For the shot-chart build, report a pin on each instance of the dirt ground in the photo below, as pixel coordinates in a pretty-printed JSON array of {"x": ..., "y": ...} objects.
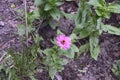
[{"x": 93, "y": 70}]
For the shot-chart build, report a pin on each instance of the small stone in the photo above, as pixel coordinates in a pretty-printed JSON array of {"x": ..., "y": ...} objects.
[
  {"x": 2, "y": 24},
  {"x": 12, "y": 5}
]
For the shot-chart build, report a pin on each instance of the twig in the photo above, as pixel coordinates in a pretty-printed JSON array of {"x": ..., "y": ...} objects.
[{"x": 26, "y": 24}]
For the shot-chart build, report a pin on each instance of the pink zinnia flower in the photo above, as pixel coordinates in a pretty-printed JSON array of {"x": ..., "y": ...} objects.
[{"x": 63, "y": 41}]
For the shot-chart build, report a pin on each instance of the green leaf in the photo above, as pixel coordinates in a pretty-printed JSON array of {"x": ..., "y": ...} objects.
[
  {"x": 84, "y": 33},
  {"x": 52, "y": 72},
  {"x": 38, "y": 2},
  {"x": 74, "y": 48},
  {"x": 84, "y": 48},
  {"x": 35, "y": 15},
  {"x": 68, "y": 15},
  {"x": 63, "y": 61},
  {"x": 115, "y": 8},
  {"x": 69, "y": 53},
  {"x": 94, "y": 3},
  {"x": 47, "y": 7},
  {"x": 58, "y": 3},
  {"x": 82, "y": 15},
  {"x": 98, "y": 26},
  {"x": 55, "y": 14},
  {"x": 73, "y": 36},
  {"x": 111, "y": 29},
  {"x": 94, "y": 47},
  {"x": 47, "y": 51},
  {"x": 32, "y": 77},
  {"x": 59, "y": 32}
]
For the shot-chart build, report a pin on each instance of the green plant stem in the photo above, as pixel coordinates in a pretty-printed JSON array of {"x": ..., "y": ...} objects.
[{"x": 26, "y": 24}]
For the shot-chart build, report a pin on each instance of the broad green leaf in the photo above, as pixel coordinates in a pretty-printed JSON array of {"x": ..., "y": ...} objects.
[
  {"x": 98, "y": 26},
  {"x": 69, "y": 53},
  {"x": 111, "y": 29},
  {"x": 74, "y": 48},
  {"x": 81, "y": 16},
  {"x": 73, "y": 36},
  {"x": 103, "y": 13},
  {"x": 115, "y": 8},
  {"x": 48, "y": 7},
  {"x": 95, "y": 3},
  {"x": 84, "y": 33},
  {"x": 94, "y": 47},
  {"x": 55, "y": 14}
]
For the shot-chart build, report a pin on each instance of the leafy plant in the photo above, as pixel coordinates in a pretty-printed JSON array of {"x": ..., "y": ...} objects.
[
  {"x": 55, "y": 58},
  {"x": 21, "y": 64},
  {"x": 104, "y": 9},
  {"x": 49, "y": 10},
  {"x": 89, "y": 23}
]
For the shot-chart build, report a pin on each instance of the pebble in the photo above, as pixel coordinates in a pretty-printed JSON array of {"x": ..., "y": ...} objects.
[{"x": 2, "y": 24}]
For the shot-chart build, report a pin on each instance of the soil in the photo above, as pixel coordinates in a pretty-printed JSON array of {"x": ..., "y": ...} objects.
[{"x": 84, "y": 68}]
